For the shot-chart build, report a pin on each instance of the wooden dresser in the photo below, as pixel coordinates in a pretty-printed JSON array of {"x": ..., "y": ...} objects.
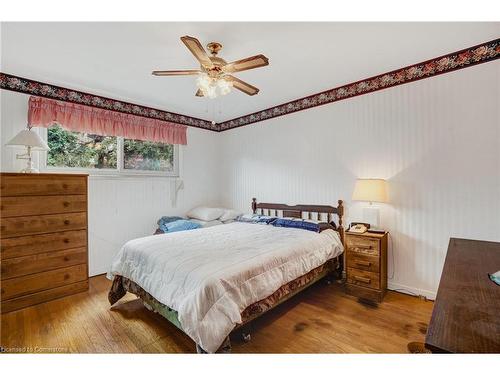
[
  {"x": 366, "y": 256},
  {"x": 43, "y": 237},
  {"x": 465, "y": 317}
]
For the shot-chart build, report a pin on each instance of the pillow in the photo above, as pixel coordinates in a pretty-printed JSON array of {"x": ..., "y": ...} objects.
[
  {"x": 256, "y": 219},
  {"x": 246, "y": 218},
  {"x": 297, "y": 223},
  {"x": 179, "y": 225},
  {"x": 165, "y": 220},
  {"x": 168, "y": 219},
  {"x": 205, "y": 213},
  {"x": 322, "y": 224},
  {"x": 206, "y": 224},
  {"x": 229, "y": 215}
]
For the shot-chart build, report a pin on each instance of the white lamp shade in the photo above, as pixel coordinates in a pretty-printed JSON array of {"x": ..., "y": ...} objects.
[
  {"x": 28, "y": 138},
  {"x": 370, "y": 190}
]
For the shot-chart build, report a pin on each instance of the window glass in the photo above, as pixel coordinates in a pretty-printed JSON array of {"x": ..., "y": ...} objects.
[
  {"x": 147, "y": 156},
  {"x": 80, "y": 150}
]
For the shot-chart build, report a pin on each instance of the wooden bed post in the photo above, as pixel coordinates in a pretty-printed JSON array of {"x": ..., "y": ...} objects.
[
  {"x": 340, "y": 213},
  {"x": 254, "y": 205}
]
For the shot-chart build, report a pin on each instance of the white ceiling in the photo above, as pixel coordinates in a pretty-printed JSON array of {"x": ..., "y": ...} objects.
[{"x": 116, "y": 59}]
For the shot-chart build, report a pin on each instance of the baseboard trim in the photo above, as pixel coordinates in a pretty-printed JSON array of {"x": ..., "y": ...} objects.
[{"x": 411, "y": 290}]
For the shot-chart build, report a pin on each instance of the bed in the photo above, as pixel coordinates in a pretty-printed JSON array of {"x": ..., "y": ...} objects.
[{"x": 211, "y": 281}]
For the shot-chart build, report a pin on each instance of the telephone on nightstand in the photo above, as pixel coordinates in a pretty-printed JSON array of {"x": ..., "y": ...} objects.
[{"x": 358, "y": 227}]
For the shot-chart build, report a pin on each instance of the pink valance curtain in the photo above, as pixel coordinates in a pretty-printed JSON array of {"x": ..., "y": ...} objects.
[{"x": 76, "y": 117}]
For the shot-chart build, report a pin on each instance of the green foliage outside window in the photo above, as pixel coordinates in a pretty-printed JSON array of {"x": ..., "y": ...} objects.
[
  {"x": 80, "y": 150},
  {"x": 147, "y": 156}
]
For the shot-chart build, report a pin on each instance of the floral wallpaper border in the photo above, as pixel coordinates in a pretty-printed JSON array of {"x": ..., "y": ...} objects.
[
  {"x": 481, "y": 53},
  {"x": 488, "y": 51},
  {"x": 28, "y": 86}
]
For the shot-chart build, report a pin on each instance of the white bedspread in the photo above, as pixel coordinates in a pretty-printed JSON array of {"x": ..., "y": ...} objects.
[{"x": 210, "y": 275}]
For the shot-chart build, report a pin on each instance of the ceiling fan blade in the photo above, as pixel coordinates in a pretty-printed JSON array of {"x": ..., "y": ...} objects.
[
  {"x": 197, "y": 50},
  {"x": 199, "y": 93},
  {"x": 242, "y": 86},
  {"x": 246, "y": 64},
  {"x": 175, "y": 72}
]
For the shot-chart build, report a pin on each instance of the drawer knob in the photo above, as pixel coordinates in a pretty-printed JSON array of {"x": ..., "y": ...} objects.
[
  {"x": 65, "y": 204},
  {"x": 66, "y": 222},
  {"x": 66, "y": 277},
  {"x": 368, "y": 247},
  {"x": 362, "y": 279},
  {"x": 66, "y": 258},
  {"x": 363, "y": 263},
  {"x": 65, "y": 186},
  {"x": 66, "y": 240}
]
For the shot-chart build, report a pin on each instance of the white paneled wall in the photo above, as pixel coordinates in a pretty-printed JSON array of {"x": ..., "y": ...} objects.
[
  {"x": 437, "y": 141},
  {"x": 123, "y": 208}
]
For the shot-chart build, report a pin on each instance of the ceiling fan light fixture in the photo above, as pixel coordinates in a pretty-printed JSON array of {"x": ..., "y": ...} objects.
[
  {"x": 211, "y": 92},
  {"x": 203, "y": 80},
  {"x": 224, "y": 86},
  {"x": 213, "y": 87}
]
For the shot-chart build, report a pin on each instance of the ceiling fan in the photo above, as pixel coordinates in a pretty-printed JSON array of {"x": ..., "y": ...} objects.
[{"x": 214, "y": 75}]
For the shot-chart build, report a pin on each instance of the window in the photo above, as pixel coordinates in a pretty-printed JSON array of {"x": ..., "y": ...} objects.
[
  {"x": 101, "y": 154},
  {"x": 147, "y": 156},
  {"x": 80, "y": 150}
]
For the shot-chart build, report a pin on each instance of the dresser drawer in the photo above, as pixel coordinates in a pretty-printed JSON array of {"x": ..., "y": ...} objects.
[
  {"x": 21, "y": 226},
  {"x": 42, "y": 243},
  {"x": 41, "y": 205},
  {"x": 43, "y": 296},
  {"x": 363, "y": 262},
  {"x": 363, "y": 278},
  {"x": 42, "y": 184},
  {"x": 363, "y": 245},
  {"x": 22, "y": 266},
  {"x": 41, "y": 281}
]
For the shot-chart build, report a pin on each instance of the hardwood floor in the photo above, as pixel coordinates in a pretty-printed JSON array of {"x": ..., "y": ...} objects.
[{"x": 322, "y": 319}]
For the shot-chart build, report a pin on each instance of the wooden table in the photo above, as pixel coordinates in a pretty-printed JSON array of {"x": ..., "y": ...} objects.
[{"x": 466, "y": 314}]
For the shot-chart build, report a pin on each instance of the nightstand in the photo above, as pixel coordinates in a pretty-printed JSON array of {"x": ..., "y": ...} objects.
[{"x": 366, "y": 265}]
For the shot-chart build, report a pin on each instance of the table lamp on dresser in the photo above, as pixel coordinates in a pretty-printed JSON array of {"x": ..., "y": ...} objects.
[
  {"x": 33, "y": 142},
  {"x": 371, "y": 190}
]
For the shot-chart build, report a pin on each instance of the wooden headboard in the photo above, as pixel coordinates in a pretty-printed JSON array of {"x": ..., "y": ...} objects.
[{"x": 306, "y": 211}]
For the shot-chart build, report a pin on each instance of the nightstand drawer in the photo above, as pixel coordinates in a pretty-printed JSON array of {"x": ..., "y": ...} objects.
[
  {"x": 363, "y": 262},
  {"x": 363, "y": 278},
  {"x": 363, "y": 245}
]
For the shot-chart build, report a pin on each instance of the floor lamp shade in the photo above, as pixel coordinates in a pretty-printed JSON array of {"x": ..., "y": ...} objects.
[{"x": 370, "y": 190}]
